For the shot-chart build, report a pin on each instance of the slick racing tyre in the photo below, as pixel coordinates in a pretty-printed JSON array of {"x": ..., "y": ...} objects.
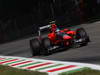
[
  {"x": 46, "y": 46},
  {"x": 82, "y": 38},
  {"x": 35, "y": 46}
]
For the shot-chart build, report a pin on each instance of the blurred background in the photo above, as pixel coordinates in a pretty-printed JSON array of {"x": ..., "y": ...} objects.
[{"x": 19, "y": 19}]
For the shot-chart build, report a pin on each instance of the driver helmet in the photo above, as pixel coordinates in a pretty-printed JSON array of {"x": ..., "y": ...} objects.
[{"x": 53, "y": 27}]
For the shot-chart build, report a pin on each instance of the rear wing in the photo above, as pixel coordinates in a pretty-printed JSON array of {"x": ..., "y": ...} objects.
[
  {"x": 44, "y": 27},
  {"x": 47, "y": 26}
]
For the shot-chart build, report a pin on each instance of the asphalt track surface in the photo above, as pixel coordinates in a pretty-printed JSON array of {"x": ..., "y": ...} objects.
[{"x": 86, "y": 54}]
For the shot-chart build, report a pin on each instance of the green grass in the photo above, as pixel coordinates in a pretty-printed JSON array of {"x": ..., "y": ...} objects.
[
  {"x": 83, "y": 71},
  {"x": 5, "y": 70}
]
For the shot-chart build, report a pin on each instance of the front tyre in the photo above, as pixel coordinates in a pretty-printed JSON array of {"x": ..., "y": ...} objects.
[
  {"x": 46, "y": 46},
  {"x": 81, "y": 37}
]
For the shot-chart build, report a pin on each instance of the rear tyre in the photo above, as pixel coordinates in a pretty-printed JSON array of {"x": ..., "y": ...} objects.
[
  {"x": 46, "y": 46},
  {"x": 35, "y": 47}
]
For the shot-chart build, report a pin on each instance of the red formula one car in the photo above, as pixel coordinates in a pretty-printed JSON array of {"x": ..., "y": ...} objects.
[{"x": 51, "y": 38}]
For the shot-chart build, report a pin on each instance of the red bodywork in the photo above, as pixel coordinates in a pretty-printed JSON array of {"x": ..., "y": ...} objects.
[{"x": 65, "y": 35}]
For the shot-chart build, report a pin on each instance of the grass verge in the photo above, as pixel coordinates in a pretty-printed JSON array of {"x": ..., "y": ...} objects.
[
  {"x": 5, "y": 70},
  {"x": 83, "y": 71}
]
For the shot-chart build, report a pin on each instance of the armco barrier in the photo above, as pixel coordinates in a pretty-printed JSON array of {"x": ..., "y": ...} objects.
[{"x": 49, "y": 66}]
